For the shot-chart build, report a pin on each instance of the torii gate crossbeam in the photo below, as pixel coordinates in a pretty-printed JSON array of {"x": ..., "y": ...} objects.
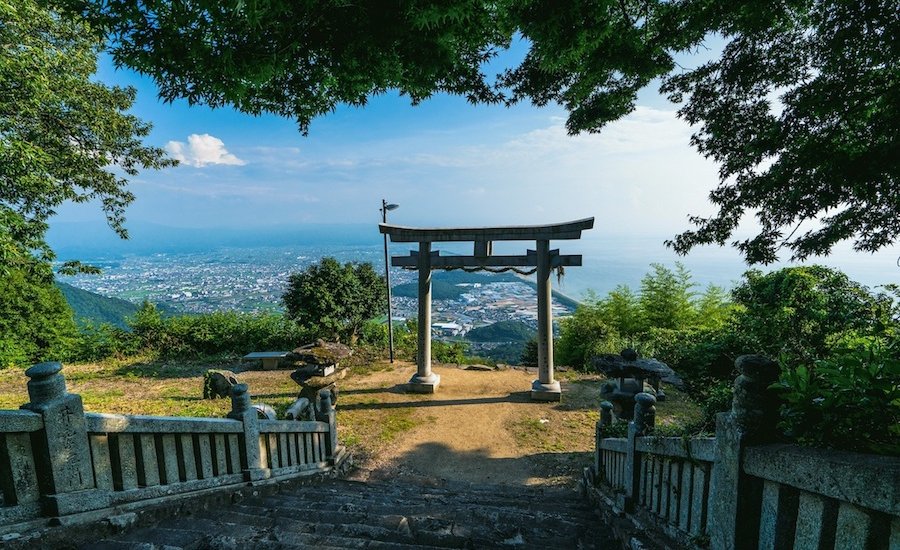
[{"x": 545, "y": 388}]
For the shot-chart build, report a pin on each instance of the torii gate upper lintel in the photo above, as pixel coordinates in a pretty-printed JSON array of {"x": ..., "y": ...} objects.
[{"x": 545, "y": 388}]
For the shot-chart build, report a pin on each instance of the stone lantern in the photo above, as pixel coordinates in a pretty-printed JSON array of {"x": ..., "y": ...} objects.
[{"x": 628, "y": 376}]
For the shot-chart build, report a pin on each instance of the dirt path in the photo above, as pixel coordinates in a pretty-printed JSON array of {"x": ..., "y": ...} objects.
[{"x": 480, "y": 427}]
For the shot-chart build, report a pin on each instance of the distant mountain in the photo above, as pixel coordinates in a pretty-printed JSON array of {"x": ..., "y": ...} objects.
[
  {"x": 502, "y": 331},
  {"x": 89, "y": 306},
  {"x": 95, "y": 240},
  {"x": 444, "y": 284}
]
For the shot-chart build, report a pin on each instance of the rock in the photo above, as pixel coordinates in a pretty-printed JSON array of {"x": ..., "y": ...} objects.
[
  {"x": 122, "y": 521},
  {"x": 218, "y": 383},
  {"x": 305, "y": 378},
  {"x": 478, "y": 367}
]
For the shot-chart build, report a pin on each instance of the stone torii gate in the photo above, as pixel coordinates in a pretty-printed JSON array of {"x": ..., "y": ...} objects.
[{"x": 545, "y": 388}]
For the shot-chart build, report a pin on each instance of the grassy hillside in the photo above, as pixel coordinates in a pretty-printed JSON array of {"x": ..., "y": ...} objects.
[
  {"x": 89, "y": 306},
  {"x": 502, "y": 331}
]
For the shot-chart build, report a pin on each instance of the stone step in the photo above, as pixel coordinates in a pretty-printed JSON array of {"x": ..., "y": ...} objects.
[
  {"x": 539, "y": 515},
  {"x": 381, "y": 516},
  {"x": 557, "y": 499},
  {"x": 455, "y": 490},
  {"x": 448, "y": 530}
]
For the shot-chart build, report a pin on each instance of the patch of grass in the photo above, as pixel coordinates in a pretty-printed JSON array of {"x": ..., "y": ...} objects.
[{"x": 395, "y": 423}]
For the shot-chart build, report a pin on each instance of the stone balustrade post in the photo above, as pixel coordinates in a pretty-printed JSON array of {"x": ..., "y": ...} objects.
[
  {"x": 252, "y": 464},
  {"x": 605, "y": 420},
  {"x": 61, "y": 449},
  {"x": 643, "y": 424},
  {"x": 752, "y": 419},
  {"x": 326, "y": 413}
]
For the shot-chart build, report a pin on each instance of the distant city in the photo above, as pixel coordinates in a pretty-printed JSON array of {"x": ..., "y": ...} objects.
[{"x": 254, "y": 279}]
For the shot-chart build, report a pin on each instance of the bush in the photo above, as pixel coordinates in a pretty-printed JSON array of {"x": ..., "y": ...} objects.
[
  {"x": 97, "y": 342},
  {"x": 214, "y": 333},
  {"x": 584, "y": 335},
  {"x": 850, "y": 401},
  {"x": 666, "y": 320}
]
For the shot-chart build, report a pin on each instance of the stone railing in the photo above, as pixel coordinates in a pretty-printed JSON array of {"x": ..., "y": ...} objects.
[
  {"x": 19, "y": 491},
  {"x": 738, "y": 490},
  {"x": 55, "y": 460}
]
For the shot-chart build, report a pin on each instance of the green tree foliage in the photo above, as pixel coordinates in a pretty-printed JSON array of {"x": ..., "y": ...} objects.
[
  {"x": 666, "y": 298},
  {"x": 530, "y": 353},
  {"x": 621, "y": 310},
  {"x": 583, "y": 335},
  {"x": 799, "y": 110},
  {"x": 63, "y": 136},
  {"x": 798, "y": 312},
  {"x": 36, "y": 324},
  {"x": 659, "y": 321},
  {"x": 333, "y": 301}
]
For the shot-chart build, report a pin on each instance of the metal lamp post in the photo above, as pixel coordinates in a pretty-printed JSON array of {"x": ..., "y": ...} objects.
[{"x": 385, "y": 207}]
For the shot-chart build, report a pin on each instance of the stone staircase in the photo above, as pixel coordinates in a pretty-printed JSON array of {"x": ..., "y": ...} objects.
[{"x": 377, "y": 515}]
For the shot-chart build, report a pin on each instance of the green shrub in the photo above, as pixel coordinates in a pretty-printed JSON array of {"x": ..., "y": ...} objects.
[
  {"x": 214, "y": 333},
  {"x": 36, "y": 323},
  {"x": 97, "y": 342},
  {"x": 850, "y": 401}
]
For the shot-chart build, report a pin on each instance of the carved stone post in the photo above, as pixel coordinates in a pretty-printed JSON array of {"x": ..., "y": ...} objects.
[
  {"x": 545, "y": 388},
  {"x": 252, "y": 463},
  {"x": 605, "y": 420},
  {"x": 424, "y": 381},
  {"x": 62, "y": 452},
  {"x": 643, "y": 424},
  {"x": 753, "y": 416},
  {"x": 326, "y": 413}
]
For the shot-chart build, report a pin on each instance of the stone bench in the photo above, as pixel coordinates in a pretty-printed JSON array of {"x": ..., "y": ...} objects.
[{"x": 269, "y": 359}]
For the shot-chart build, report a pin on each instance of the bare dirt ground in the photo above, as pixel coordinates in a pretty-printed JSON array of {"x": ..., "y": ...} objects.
[{"x": 479, "y": 427}]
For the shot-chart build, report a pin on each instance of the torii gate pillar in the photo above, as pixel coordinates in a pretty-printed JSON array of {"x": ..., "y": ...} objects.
[
  {"x": 545, "y": 388},
  {"x": 424, "y": 381}
]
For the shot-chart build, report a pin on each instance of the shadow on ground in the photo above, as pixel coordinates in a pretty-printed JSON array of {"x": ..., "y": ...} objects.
[
  {"x": 514, "y": 397},
  {"x": 438, "y": 463}
]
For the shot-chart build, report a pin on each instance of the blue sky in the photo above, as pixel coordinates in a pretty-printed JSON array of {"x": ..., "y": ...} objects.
[{"x": 445, "y": 162}]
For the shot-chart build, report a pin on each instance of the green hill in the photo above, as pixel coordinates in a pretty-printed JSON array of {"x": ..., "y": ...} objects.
[
  {"x": 502, "y": 331},
  {"x": 439, "y": 290},
  {"x": 92, "y": 307}
]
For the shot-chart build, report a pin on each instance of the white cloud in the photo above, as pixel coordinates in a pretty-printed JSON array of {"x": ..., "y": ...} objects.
[{"x": 202, "y": 150}]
